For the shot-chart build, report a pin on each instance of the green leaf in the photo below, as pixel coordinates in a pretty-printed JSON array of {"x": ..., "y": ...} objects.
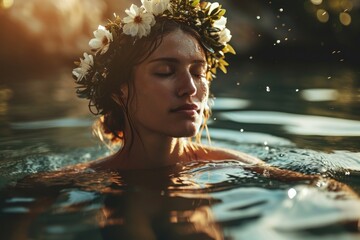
[{"x": 195, "y": 3}]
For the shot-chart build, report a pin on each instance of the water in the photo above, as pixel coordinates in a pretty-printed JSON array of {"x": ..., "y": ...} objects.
[{"x": 307, "y": 121}]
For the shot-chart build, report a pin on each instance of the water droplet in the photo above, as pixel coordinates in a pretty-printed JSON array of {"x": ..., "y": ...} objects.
[
  {"x": 281, "y": 10},
  {"x": 329, "y": 77},
  {"x": 265, "y": 143},
  {"x": 347, "y": 173},
  {"x": 278, "y": 41},
  {"x": 292, "y": 193},
  {"x": 258, "y": 17},
  {"x": 214, "y": 119},
  {"x": 268, "y": 89},
  {"x": 238, "y": 83},
  {"x": 297, "y": 90},
  {"x": 251, "y": 57},
  {"x": 241, "y": 130}
]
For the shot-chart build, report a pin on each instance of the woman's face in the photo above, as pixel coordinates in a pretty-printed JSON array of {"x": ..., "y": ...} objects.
[{"x": 171, "y": 89}]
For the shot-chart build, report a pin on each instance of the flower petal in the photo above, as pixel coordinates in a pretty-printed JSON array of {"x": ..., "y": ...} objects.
[
  {"x": 221, "y": 23},
  {"x": 213, "y": 6}
]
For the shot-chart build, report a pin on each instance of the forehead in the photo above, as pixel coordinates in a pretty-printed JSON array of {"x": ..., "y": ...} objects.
[{"x": 179, "y": 45}]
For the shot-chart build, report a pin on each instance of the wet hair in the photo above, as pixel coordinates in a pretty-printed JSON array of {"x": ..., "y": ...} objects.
[{"x": 111, "y": 125}]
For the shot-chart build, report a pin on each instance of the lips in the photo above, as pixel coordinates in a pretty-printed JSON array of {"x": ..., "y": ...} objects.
[{"x": 186, "y": 107}]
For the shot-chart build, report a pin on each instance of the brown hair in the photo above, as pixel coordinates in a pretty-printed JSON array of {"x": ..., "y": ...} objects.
[{"x": 115, "y": 110}]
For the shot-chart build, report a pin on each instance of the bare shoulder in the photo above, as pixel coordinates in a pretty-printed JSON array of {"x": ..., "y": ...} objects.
[{"x": 205, "y": 152}]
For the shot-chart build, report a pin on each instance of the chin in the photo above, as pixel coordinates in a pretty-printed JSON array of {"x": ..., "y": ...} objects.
[{"x": 187, "y": 132}]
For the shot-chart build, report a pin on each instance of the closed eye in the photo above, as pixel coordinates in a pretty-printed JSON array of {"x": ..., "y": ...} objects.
[
  {"x": 161, "y": 74},
  {"x": 199, "y": 70},
  {"x": 199, "y": 75}
]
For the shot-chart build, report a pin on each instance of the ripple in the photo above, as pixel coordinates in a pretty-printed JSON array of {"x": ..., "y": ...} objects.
[
  {"x": 247, "y": 137},
  {"x": 230, "y": 103},
  {"x": 280, "y": 216},
  {"x": 54, "y": 123},
  {"x": 320, "y": 94},
  {"x": 297, "y": 123}
]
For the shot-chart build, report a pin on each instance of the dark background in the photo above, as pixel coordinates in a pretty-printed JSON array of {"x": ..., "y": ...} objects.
[{"x": 41, "y": 35}]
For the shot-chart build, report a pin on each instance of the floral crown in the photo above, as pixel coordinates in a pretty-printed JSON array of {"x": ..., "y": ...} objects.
[{"x": 205, "y": 18}]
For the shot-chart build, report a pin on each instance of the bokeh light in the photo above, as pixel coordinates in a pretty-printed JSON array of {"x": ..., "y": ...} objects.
[
  {"x": 341, "y": 8},
  {"x": 322, "y": 15},
  {"x": 345, "y": 18},
  {"x": 316, "y": 2}
]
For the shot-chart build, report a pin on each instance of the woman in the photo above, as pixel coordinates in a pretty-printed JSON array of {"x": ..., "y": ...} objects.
[
  {"x": 149, "y": 80},
  {"x": 152, "y": 73}
]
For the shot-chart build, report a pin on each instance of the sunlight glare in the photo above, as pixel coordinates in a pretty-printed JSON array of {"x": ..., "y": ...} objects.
[
  {"x": 6, "y": 3},
  {"x": 319, "y": 94}
]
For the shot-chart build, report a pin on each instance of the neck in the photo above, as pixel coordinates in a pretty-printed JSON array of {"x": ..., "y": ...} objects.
[{"x": 149, "y": 151}]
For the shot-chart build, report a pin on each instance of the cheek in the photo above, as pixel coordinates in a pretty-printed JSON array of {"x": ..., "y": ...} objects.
[
  {"x": 203, "y": 95},
  {"x": 203, "y": 90}
]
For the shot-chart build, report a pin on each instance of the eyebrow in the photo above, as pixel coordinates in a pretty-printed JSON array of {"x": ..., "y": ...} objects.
[{"x": 174, "y": 60}]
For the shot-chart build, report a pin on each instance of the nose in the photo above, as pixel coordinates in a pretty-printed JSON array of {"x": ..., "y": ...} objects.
[{"x": 187, "y": 85}]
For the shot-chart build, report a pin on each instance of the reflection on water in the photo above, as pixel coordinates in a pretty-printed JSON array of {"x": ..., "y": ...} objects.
[
  {"x": 210, "y": 200},
  {"x": 55, "y": 123},
  {"x": 298, "y": 124},
  {"x": 305, "y": 122},
  {"x": 314, "y": 95}
]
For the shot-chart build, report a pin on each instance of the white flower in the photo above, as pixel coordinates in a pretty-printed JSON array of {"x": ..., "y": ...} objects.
[
  {"x": 155, "y": 7},
  {"x": 225, "y": 36},
  {"x": 85, "y": 65},
  {"x": 213, "y": 6},
  {"x": 221, "y": 23},
  {"x": 102, "y": 40},
  {"x": 138, "y": 22}
]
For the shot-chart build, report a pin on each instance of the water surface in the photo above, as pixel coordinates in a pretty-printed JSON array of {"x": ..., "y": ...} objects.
[{"x": 306, "y": 121}]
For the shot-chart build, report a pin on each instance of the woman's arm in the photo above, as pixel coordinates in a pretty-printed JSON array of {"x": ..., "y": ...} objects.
[{"x": 256, "y": 165}]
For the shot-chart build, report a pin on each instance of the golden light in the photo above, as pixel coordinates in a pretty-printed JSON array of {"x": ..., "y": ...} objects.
[
  {"x": 316, "y": 2},
  {"x": 6, "y": 3},
  {"x": 322, "y": 15},
  {"x": 345, "y": 18},
  {"x": 334, "y": 4}
]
